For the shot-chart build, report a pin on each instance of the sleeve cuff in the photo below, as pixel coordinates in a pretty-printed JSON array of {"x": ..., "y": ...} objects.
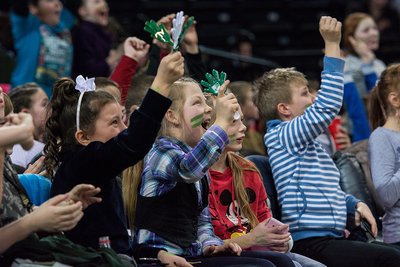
[
  {"x": 223, "y": 136},
  {"x": 367, "y": 68},
  {"x": 351, "y": 203},
  {"x": 155, "y": 105},
  {"x": 333, "y": 64}
]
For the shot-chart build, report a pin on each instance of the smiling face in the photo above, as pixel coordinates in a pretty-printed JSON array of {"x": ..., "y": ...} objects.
[
  {"x": 236, "y": 133},
  {"x": 367, "y": 31},
  {"x": 301, "y": 99},
  {"x": 108, "y": 124},
  {"x": 95, "y": 11},
  {"x": 196, "y": 114},
  {"x": 48, "y": 11}
]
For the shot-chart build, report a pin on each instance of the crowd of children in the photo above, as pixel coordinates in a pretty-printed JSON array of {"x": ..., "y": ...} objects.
[{"x": 149, "y": 166}]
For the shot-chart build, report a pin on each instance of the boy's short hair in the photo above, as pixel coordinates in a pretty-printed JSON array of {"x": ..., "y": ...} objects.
[
  {"x": 108, "y": 85},
  {"x": 274, "y": 88}
]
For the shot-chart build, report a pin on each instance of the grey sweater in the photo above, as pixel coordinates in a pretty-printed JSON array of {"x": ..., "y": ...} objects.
[{"x": 384, "y": 155}]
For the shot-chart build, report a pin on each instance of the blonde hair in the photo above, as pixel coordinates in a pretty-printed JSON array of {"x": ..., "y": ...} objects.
[
  {"x": 177, "y": 95},
  {"x": 274, "y": 88},
  {"x": 238, "y": 165},
  {"x": 131, "y": 177}
]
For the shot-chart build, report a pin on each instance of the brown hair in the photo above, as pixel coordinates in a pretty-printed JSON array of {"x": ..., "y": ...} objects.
[
  {"x": 8, "y": 106},
  {"x": 274, "y": 88},
  {"x": 61, "y": 124},
  {"x": 239, "y": 89},
  {"x": 238, "y": 165},
  {"x": 104, "y": 84},
  {"x": 21, "y": 96},
  {"x": 140, "y": 84},
  {"x": 379, "y": 105},
  {"x": 350, "y": 26}
]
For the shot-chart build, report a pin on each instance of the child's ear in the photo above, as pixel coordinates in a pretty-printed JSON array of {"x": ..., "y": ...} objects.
[
  {"x": 33, "y": 9},
  {"x": 171, "y": 117},
  {"x": 82, "y": 12},
  {"x": 82, "y": 138},
  {"x": 283, "y": 110},
  {"x": 394, "y": 99}
]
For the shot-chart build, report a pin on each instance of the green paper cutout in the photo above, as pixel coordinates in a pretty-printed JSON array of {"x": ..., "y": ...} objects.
[
  {"x": 158, "y": 32},
  {"x": 185, "y": 28},
  {"x": 213, "y": 82}
]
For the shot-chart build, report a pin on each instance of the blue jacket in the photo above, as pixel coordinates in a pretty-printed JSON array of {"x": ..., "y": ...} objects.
[{"x": 27, "y": 42}]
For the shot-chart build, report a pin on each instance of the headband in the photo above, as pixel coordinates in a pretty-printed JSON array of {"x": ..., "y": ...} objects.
[{"x": 82, "y": 85}]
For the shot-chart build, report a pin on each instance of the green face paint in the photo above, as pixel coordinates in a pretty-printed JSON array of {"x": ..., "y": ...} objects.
[
  {"x": 197, "y": 120},
  {"x": 231, "y": 138}
]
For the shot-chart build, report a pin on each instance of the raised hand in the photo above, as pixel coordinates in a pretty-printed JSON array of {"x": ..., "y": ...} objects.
[
  {"x": 331, "y": 32},
  {"x": 225, "y": 249},
  {"x": 214, "y": 82},
  {"x": 136, "y": 49},
  {"x": 171, "y": 68},
  {"x": 25, "y": 121},
  {"x": 225, "y": 107},
  {"x": 361, "y": 48},
  {"x": 190, "y": 42},
  {"x": 36, "y": 167},
  {"x": 84, "y": 193}
]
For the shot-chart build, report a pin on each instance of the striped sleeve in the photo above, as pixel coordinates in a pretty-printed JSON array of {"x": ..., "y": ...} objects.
[{"x": 296, "y": 134}]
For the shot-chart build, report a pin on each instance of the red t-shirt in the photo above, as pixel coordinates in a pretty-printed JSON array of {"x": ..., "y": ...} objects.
[{"x": 224, "y": 212}]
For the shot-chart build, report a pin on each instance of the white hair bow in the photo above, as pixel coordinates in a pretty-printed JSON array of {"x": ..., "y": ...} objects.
[{"x": 82, "y": 85}]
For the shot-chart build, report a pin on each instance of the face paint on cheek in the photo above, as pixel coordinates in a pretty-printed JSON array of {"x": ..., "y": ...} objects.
[
  {"x": 197, "y": 120},
  {"x": 231, "y": 138}
]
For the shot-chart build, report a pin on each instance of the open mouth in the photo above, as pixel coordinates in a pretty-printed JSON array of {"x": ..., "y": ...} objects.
[{"x": 205, "y": 124}]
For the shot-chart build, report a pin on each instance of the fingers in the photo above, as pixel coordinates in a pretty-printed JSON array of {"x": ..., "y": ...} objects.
[
  {"x": 54, "y": 201},
  {"x": 222, "y": 89},
  {"x": 235, "y": 248},
  {"x": 36, "y": 167}
]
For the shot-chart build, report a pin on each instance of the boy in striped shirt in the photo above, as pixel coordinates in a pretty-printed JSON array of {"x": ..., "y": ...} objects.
[{"x": 306, "y": 179}]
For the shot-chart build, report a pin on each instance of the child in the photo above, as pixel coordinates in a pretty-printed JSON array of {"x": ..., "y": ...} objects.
[
  {"x": 29, "y": 98},
  {"x": 89, "y": 142},
  {"x": 253, "y": 140},
  {"x": 60, "y": 213},
  {"x": 92, "y": 42},
  {"x": 306, "y": 178},
  {"x": 383, "y": 149},
  {"x": 42, "y": 41},
  {"x": 238, "y": 205},
  {"x": 361, "y": 38},
  {"x": 172, "y": 205}
]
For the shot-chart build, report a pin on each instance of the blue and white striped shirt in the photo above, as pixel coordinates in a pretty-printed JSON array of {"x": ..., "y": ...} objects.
[
  {"x": 306, "y": 178},
  {"x": 171, "y": 161}
]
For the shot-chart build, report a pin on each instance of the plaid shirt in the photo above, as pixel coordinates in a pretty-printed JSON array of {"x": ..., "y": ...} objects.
[{"x": 171, "y": 161}]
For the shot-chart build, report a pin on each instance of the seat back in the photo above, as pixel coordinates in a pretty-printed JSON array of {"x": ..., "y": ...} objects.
[{"x": 262, "y": 163}]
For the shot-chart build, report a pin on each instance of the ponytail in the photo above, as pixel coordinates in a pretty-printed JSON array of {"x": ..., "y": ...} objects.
[
  {"x": 379, "y": 105},
  {"x": 377, "y": 114},
  {"x": 238, "y": 165}
]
